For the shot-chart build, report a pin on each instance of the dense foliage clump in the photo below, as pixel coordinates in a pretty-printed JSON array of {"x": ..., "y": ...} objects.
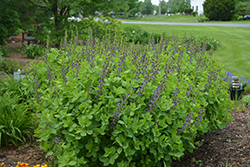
[
  {"x": 16, "y": 121},
  {"x": 222, "y": 10},
  {"x": 113, "y": 104}
]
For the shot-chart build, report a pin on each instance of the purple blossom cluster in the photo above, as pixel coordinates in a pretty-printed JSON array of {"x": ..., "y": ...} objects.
[
  {"x": 155, "y": 98},
  {"x": 228, "y": 79},
  {"x": 211, "y": 77},
  {"x": 199, "y": 118},
  {"x": 90, "y": 55},
  {"x": 105, "y": 72},
  {"x": 64, "y": 70},
  {"x": 119, "y": 109},
  {"x": 57, "y": 141},
  {"x": 76, "y": 65},
  {"x": 175, "y": 98},
  {"x": 188, "y": 123},
  {"x": 121, "y": 64}
]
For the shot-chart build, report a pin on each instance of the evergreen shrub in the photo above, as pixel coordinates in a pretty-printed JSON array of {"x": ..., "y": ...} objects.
[
  {"x": 222, "y": 10},
  {"x": 114, "y": 104}
]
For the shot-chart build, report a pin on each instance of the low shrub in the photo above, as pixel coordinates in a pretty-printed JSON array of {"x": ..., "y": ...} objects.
[
  {"x": 188, "y": 11},
  {"x": 113, "y": 104},
  {"x": 33, "y": 51},
  {"x": 246, "y": 100},
  {"x": 235, "y": 17},
  {"x": 194, "y": 13},
  {"x": 9, "y": 66},
  {"x": 4, "y": 51},
  {"x": 203, "y": 19},
  {"x": 15, "y": 88},
  {"x": 15, "y": 120},
  {"x": 209, "y": 42},
  {"x": 136, "y": 34}
]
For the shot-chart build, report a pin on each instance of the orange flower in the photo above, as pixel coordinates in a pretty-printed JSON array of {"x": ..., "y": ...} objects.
[
  {"x": 20, "y": 164},
  {"x": 2, "y": 165}
]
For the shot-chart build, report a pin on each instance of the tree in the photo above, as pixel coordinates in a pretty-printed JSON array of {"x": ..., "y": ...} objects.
[
  {"x": 183, "y": 5},
  {"x": 9, "y": 24},
  {"x": 147, "y": 7},
  {"x": 243, "y": 8},
  {"x": 134, "y": 7},
  {"x": 222, "y": 10},
  {"x": 16, "y": 14},
  {"x": 164, "y": 8},
  {"x": 178, "y": 5},
  {"x": 60, "y": 10},
  {"x": 118, "y": 6}
]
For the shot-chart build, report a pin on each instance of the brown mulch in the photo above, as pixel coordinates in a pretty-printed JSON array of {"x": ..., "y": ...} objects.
[{"x": 228, "y": 147}]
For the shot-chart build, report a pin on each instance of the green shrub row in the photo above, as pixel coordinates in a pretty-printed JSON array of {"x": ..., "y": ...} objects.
[{"x": 113, "y": 104}]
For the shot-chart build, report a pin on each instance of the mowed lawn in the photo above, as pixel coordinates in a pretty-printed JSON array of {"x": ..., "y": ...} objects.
[
  {"x": 233, "y": 52},
  {"x": 182, "y": 19}
]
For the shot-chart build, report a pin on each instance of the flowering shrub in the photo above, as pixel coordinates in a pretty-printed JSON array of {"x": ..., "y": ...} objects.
[
  {"x": 113, "y": 104},
  {"x": 101, "y": 28}
]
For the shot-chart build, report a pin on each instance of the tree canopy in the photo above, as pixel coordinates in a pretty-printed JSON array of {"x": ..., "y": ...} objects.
[
  {"x": 176, "y": 5},
  {"x": 147, "y": 7},
  {"x": 221, "y": 10},
  {"x": 243, "y": 7}
]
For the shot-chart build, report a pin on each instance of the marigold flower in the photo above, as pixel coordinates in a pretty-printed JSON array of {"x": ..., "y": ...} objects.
[{"x": 22, "y": 164}]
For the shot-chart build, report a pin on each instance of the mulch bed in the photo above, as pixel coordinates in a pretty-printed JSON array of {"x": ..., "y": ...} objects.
[{"x": 227, "y": 147}]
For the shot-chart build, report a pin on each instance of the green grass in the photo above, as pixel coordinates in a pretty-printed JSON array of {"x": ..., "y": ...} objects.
[
  {"x": 234, "y": 50},
  {"x": 180, "y": 18}
]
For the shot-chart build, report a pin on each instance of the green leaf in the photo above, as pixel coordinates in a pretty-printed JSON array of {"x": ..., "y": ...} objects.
[
  {"x": 72, "y": 163},
  {"x": 113, "y": 158},
  {"x": 119, "y": 150},
  {"x": 120, "y": 90},
  {"x": 129, "y": 151}
]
